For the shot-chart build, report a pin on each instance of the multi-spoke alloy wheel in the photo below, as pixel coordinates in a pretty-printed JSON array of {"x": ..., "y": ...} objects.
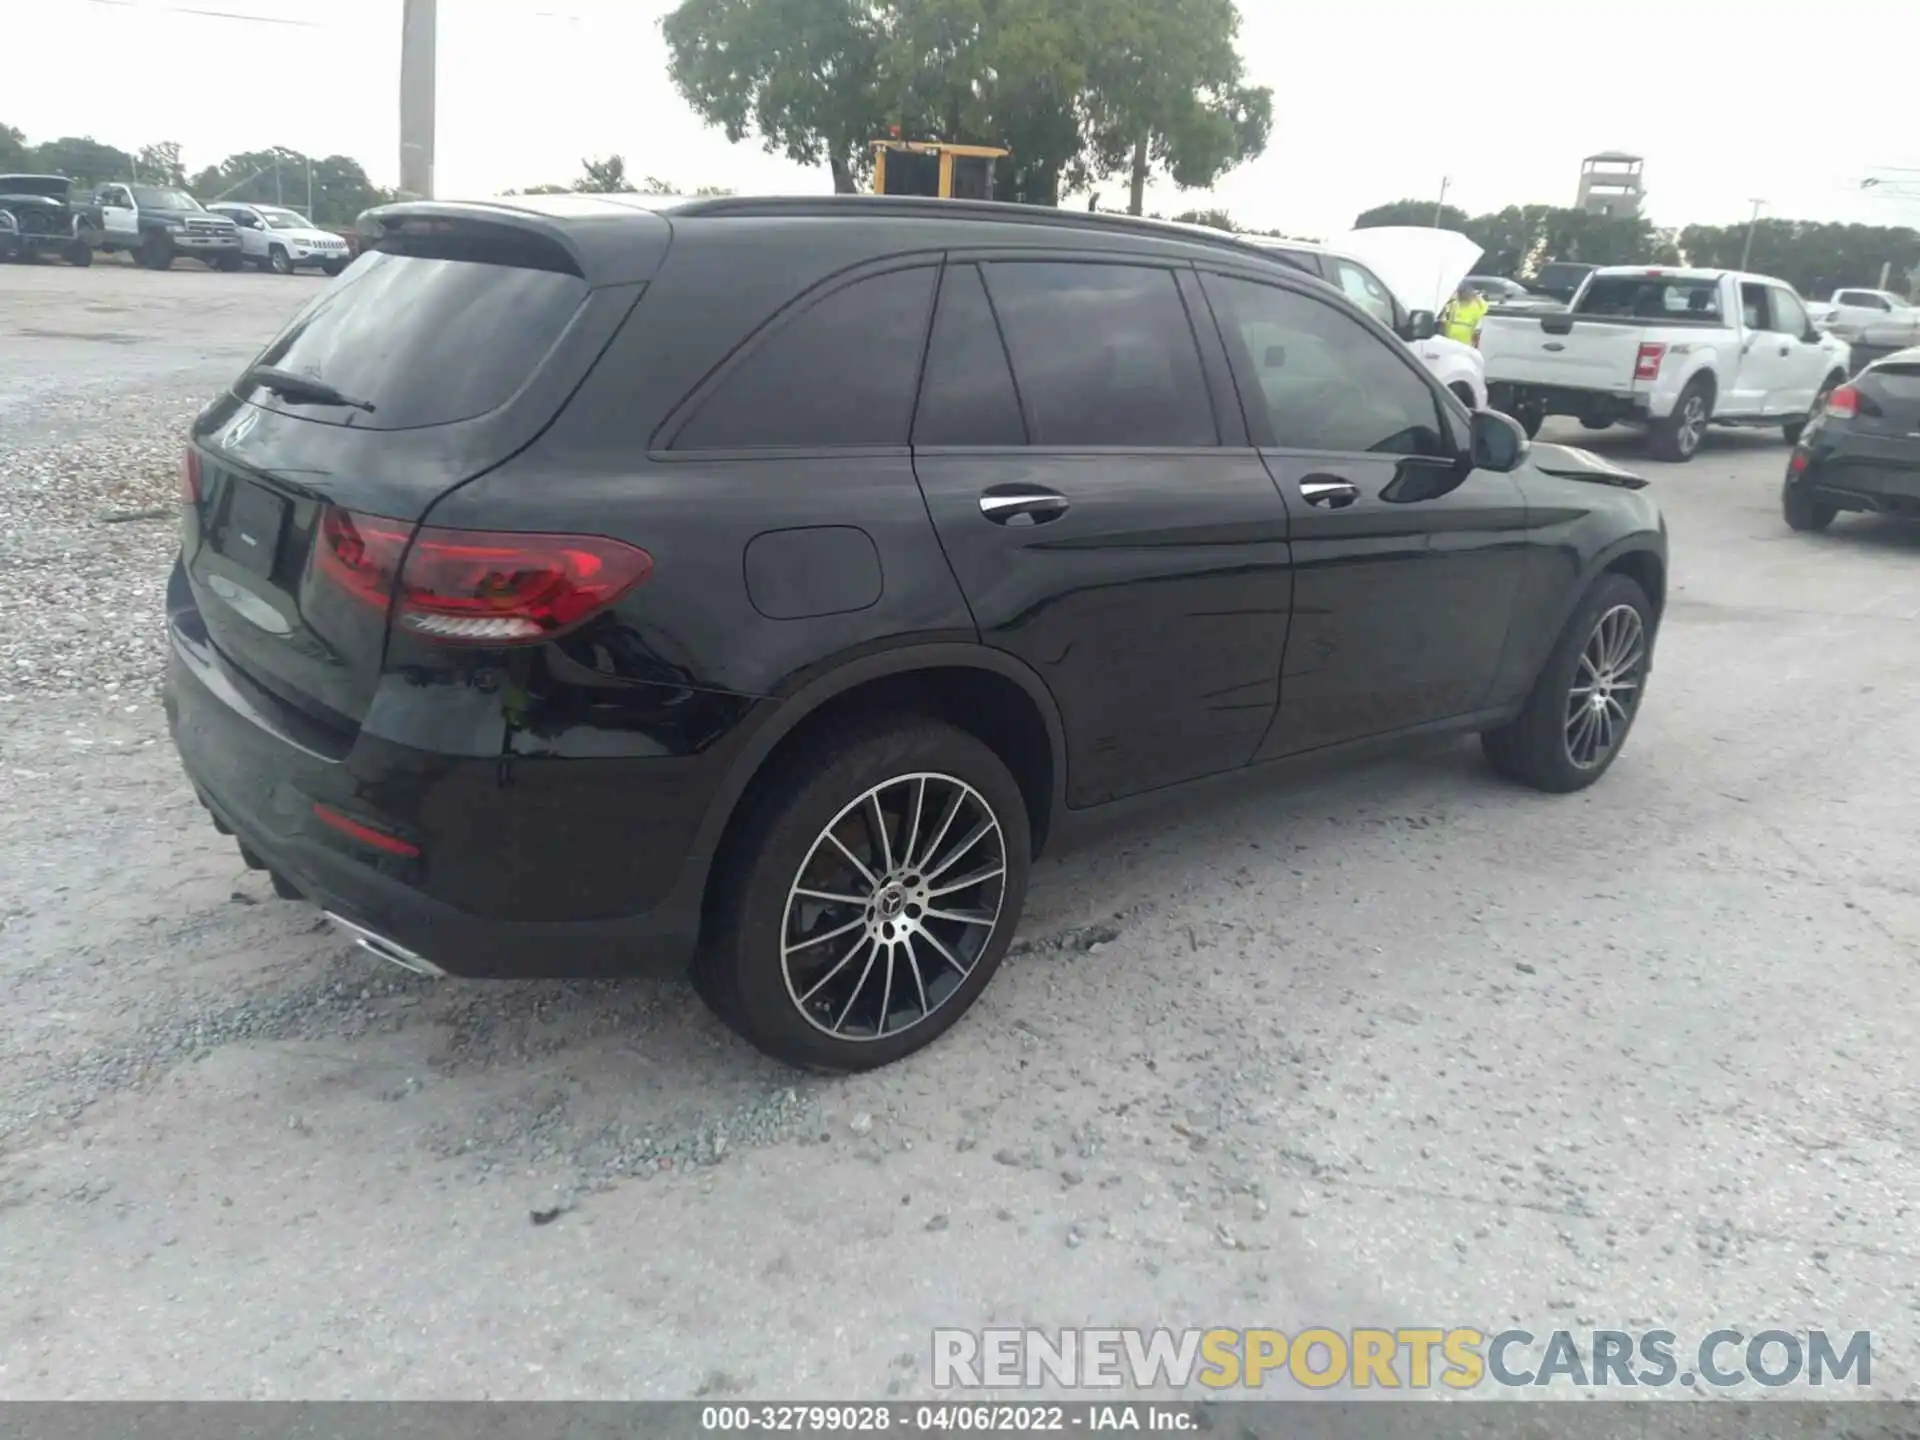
[
  {"x": 893, "y": 906},
  {"x": 1606, "y": 686},
  {"x": 870, "y": 893},
  {"x": 1584, "y": 700}
]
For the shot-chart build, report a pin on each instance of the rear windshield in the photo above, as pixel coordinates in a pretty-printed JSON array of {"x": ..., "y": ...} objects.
[
  {"x": 423, "y": 340},
  {"x": 1651, "y": 297},
  {"x": 1896, "y": 382},
  {"x": 1564, "y": 279}
]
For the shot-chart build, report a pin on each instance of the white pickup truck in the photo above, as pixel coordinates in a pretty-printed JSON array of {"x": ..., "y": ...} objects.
[{"x": 1672, "y": 349}]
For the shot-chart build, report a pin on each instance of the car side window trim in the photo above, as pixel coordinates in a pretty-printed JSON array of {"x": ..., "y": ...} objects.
[
  {"x": 667, "y": 434},
  {"x": 1259, "y": 423}
]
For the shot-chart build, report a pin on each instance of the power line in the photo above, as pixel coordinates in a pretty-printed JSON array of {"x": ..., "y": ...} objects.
[{"x": 212, "y": 14}]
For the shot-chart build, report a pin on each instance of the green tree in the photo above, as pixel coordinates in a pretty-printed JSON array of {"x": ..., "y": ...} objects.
[
  {"x": 603, "y": 177},
  {"x": 1815, "y": 258},
  {"x": 1166, "y": 88},
  {"x": 83, "y": 160},
  {"x": 15, "y": 154},
  {"x": 1216, "y": 219},
  {"x": 160, "y": 164},
  {"x": 340, "y": 187},
  {"x": 1061, "y": 83},
  {"x": 1411, "y": 212}
]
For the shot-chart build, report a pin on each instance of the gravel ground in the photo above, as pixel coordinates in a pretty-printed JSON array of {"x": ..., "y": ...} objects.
[{"x": 1395, "y": 1045}]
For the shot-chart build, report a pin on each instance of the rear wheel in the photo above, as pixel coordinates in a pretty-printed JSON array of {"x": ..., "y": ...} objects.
[
  {"x": 1803, "y": 512},
  {"x": 1587, "y": 694},
  {"x": 874, "y": 891},
  {"x": 1677, "y": 437}
]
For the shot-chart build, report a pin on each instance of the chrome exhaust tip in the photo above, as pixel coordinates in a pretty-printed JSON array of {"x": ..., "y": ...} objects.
[{"x": 386, "y": 949}]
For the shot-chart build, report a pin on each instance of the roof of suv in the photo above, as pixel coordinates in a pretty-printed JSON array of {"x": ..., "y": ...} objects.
[{"x": 620, "y": 238}]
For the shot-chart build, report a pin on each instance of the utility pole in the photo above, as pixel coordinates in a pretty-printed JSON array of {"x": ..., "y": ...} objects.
[
  {"x": 309, "y": 211},
  {"x": 417, "y": 27},
  {"x": 1746, "y": 250},
  {"x": 1441, "y": 203}
]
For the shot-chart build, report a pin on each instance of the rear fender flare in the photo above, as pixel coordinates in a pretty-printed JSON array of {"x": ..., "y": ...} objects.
[{"x": 793, "y": 709}]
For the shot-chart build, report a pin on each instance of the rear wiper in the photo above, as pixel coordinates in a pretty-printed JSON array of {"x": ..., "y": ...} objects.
[{"x": 303, "y": 389}]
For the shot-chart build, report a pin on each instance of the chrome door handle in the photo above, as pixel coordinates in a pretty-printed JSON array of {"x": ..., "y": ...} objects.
[
  {"x": 1333, "y": 494},
  {"x": 1039, "y": 505}
]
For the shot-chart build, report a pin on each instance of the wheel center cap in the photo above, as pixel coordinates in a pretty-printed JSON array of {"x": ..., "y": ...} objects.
[{"x": 892, "y": 901}]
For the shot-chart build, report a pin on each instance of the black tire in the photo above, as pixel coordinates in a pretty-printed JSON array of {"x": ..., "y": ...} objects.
[
  {"x": 1677, "y": 438},
  {"x": 1530, "y": 419},
  {"x": 155, "y": 253},
  {"x": 1464, "y": 394},
  {"x": 279, "y": 261},
  {"x": 227, "y": 264},
  {"x": 743, "y": 970},
  {"x": 1793, "y": 430},
  {"x": 1542, "y": 746},
  {"x": 334, "y": 267},
  {"x": 79, "y": 253},
  {"x": 1802, "y": 512},
  {"x": 1587, "y": 424}
]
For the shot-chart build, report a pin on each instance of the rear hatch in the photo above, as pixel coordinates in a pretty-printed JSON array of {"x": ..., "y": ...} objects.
[
  {"x": 1884, "y": 433},
  {"x": 441, "y": 352}
]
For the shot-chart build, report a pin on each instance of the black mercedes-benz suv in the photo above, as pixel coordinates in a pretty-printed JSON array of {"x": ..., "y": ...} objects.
[{"x": 758, "y": 584}]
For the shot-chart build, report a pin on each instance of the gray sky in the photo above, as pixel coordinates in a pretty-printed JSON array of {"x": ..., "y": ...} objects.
[{"x": 1374, "y": 99}]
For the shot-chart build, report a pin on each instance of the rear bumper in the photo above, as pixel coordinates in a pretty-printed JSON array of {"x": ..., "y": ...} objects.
[
  {"x": 1860, "y": 486},
  {"x": 1613, "y": 407},
  {"x": 262, "y": 784}
]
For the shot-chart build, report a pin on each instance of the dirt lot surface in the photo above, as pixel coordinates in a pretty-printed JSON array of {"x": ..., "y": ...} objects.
[{"x": 1388, "y": 1046}]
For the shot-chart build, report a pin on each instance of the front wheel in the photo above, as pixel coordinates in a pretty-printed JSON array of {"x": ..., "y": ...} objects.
[
  {"x": 334, "y": 267},
  {"x": 156, "y": 253},
  {"x": 79, "y": 253},
  {"x": 872, "y": 895},
  {"x": 1676, "y": 437},
  {"x": 1586, "y": 697},
  {"x": 227, "y": 263},
  {"x": 279, "y": 261}
]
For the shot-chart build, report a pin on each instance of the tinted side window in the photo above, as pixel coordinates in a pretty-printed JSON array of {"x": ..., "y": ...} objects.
[
  {"x": 967, "y": 397},
  {"x": 1324, "y": 381},
  {"x": 1104, "y": 354},
  {"x": 840, "y": 373}
]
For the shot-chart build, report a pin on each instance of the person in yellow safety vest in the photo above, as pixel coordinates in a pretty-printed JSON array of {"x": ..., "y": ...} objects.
[{"x": 1461, "y": 319}]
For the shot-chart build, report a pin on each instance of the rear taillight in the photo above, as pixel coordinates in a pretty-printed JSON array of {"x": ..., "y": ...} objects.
[
  {"x": 190, "y": 477},
  {"x": 1646, "y": 365},
  {"x": 1844, "y": 403},
  {"x": 477, "y": 587}
]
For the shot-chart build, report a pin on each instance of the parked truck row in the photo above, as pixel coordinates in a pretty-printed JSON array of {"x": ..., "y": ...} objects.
[{"x": 42, "y": 217}]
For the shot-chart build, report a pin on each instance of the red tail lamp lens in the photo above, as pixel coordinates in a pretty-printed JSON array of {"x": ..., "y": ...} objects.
[
  {"x": 1844, "y": 403},
  {"x": 190, "y": 477},
  {"x": 479, "y": 587}
]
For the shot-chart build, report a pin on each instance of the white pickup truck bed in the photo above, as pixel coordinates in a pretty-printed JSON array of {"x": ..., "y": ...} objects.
[{"x": 1671, "y": 349}]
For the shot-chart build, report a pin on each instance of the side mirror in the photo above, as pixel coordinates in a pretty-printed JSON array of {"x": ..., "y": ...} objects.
[
  {"x": 1421, "y": 325},
  {"x": 1497, "y": 442}
]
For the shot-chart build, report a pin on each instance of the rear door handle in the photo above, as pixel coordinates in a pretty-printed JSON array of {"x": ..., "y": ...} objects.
[
  {"x": 1037, "y": 505},
  {"x": 1328, "y": 492}
]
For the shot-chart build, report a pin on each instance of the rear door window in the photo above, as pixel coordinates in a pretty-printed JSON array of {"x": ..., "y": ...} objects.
[
  {"x": 842, "y": 373},
  {"x": 1104, "y": 355},
  {"x": 425, "y": 339}
]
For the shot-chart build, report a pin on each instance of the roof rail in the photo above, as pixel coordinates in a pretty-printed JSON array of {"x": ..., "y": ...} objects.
[{"x": 989, "y": 211}]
